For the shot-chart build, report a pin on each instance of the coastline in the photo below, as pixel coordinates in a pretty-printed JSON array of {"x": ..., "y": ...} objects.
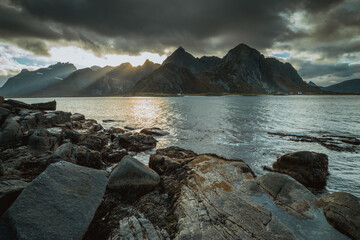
[{"x": 188, "y": 183}]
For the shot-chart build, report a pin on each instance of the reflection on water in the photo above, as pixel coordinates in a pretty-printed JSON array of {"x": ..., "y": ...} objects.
[{"x": 237, "y": 126}]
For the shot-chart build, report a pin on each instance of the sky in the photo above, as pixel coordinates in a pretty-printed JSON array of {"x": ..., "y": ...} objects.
[{"x": 321, "y": 38}]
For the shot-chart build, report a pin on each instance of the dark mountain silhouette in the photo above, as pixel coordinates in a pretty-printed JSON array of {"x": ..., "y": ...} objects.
[
  {"x": 241, "y": 70},
  {"x": 348, "y": 86},
  {"x": 28, "y": 82}
]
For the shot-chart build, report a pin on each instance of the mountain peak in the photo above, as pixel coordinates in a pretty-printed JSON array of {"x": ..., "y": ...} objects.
[{"x": 179, "y": 50}]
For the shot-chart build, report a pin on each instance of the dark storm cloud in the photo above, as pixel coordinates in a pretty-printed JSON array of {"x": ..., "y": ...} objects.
[
  {"x": 154, "y": 25},
  {"x": 308, "y": 70},
  {"x": 202, "y": 26}
]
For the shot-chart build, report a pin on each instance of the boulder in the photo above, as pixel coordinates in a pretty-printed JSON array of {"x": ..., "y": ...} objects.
[
  {"x": 3, "y": 114},
  {"x": 88, "y": 158},
  {"x": 64, "y": 152},
  {"x": 74, "y": 136},
  {"x": 96, "y": 128},
  {"x": 10, "y": 133},
  {"x": 137, "y": 142},
  {"x": 41, "y": 140},
  {"x": 53, "y": 118},
  {"x": 77, "y": 117},
  {"x": 113, "y": 154},
  {"x": 44, "y": 106},
  {"x": 131, "y": 176},
  {"x": 342, "y": 210},
  {"x": 17, "y": 104},
  {"x": 33, "y": 119},
  {"x": 9, "y": 191},
  {"x": 59, "y": 204},
  {"x": 162, "y": 164},
  {"x": 95, "y": 142},
  {"x": 2, "y": 171},
  {"x": 154, "y": 131},
  {"x": 309, "y": 168},
  {"x": 176, "y": 152}
]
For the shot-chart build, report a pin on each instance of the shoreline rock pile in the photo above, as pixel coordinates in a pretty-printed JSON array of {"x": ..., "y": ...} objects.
[{"x": 53, "y": 185}]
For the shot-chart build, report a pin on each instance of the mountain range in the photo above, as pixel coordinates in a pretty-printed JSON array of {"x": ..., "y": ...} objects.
[
  {"x": 242, "y": 70},
  {"x": 348, "y": 86}
]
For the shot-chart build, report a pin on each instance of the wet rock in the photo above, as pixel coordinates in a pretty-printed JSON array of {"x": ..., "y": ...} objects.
[
  {"x": 342, "y": 210},
  {"x": 214, "y": 203},
  {"x": 44, "y": 106},
  {"x": 88, "y": 158},
  {"x": 137, "y": 142},
  {"x": 309, "y": 168},
  {"x": 65, "y": 196},
  {"x": 95, "y": 142},
  {"x": 31, "y": 119},
  {"x": 74, "y": 136},
  {"x": 176, "y": 152},
  {"x": 96, "y": 128},
  {"x": 41, "y": 140},
  {"x": 2, "y": 171},
  {"x": 288, "y": 194},
  {"x": 88, "y": 123},
  {"x": 9, "y": 191},
  {"x": 132, "y": 176},
  {"x": 162, "y": 164},
  {"x": 3, "y": 114},
  {"x": 17, "y": 104},
  {"x": 77, "y": 117},
  {"x": 138, "y": 228},
  {"x": 154, "y": 131},
  {"x": 113, "y": 154},
  {"x": 64, "y": 152},
  {"x": 53, "y": 118},
  {"x": 10, "y": 133}
]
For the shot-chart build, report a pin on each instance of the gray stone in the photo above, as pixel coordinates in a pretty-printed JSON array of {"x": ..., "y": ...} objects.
[
  {"x": 53, "y": 118},
  {"x": 45, "y": 106},
  {"x": 342, "y": 210},
  {"x": 130, "y": 175},
  {"x": 154, "y": 131},
  {"x": 42, "y": 140},
  {"x": 309, "y": 168},
  {"x": 9, "y": 191},
  {"x": 10, "y": 133},
  {"x": 77, "y": 117},
  {"x": 3, "y": 114},
  {"x": 94, "y": 142},
  {"x": 74, "y": 136},
  {"x": 87, "y": 157},
  {"x": 2, "y": 171},
  {"x": 17, "y": 104},
  {"x": 137, "y": 142},
  {"x": 59, "y": 204}
]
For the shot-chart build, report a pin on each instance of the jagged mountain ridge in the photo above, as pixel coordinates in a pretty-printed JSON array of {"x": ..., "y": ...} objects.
[
  {"x": 97, "y": 81},
  {"x": 184, "y": 59},
  {"x": 27, "y": 82},
  {"x": 241, "y": 70}
]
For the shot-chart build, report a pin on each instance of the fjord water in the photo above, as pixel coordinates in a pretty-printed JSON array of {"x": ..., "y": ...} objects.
[{"x": 238, "y": 126}]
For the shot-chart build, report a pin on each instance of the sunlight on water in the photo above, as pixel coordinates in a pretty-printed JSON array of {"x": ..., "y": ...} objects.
[{"x": 238, "y": 126}]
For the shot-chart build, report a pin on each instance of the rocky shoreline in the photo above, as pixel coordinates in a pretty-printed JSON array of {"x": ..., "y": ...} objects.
[{"x": 63, "y": 176}]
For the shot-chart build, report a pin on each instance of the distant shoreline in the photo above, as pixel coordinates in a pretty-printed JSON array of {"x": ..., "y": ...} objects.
[{"x": 194, "y": 94}]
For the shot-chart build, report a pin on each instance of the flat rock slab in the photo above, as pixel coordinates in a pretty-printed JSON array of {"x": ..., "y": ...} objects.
[
  {"x": 59, "y": 204},
  {"x": 154, "y": 132}
]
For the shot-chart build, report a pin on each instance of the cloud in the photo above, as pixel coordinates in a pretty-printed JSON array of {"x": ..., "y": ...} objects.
[{"x": 325, "y": 28}]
